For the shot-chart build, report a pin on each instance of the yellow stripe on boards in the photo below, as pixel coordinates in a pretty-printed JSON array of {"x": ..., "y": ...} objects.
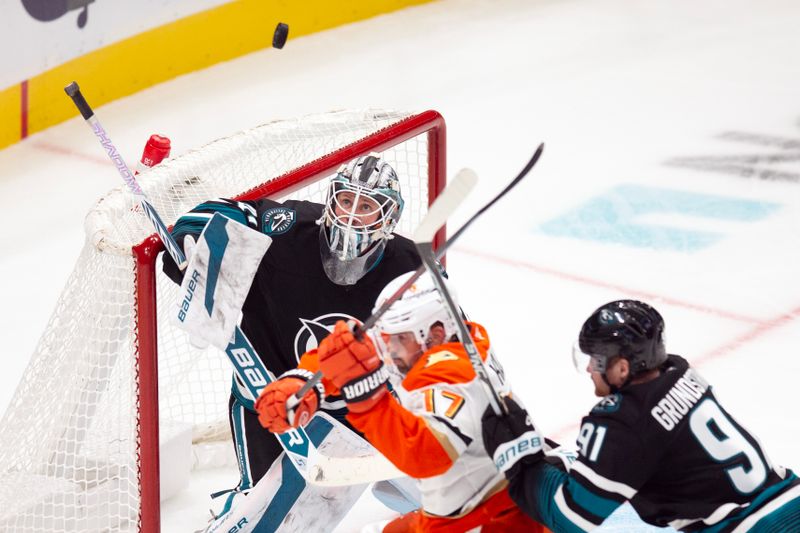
[
  {"x": 10, "y": 115},
  {"x": 180, "y": 47}
]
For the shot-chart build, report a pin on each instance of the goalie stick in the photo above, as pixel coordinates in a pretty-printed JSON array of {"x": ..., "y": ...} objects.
[
  {"x": 293, "y": 401},
  {"x": 423, "y": 240},
  {"x": 425, "y": 249},
  {"x": 240, "y": 351}
]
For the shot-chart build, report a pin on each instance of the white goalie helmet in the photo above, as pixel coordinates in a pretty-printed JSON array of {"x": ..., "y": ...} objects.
[
  {"x": 362, "y": 209},
  {"x": 417, "y": 310}
]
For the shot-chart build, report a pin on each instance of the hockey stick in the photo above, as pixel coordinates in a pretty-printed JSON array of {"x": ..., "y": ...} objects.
[
  {"x": 425, "y": 249},
  {"x": 293, "y": 401},
  {"x": 240, "y": 351},
  {"x": 423, "y": 238}
]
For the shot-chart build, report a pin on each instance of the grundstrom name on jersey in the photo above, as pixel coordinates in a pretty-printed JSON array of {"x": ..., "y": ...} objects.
[{"x": 679, "y": 400}]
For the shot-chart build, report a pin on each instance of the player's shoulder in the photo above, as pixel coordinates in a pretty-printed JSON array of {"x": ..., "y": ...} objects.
[
  {"x": 636, "y": 404},
  {"x": 620, "y": 408},
  {"x": 194, "y": 220},
  {"x": 400, "y": 256},
  {"x": 400, "y": 246},
  {"x": 232, "y": 209},
  {"x": 445, "y": 364},
  {"x": 279, "y": 218},
  {"x": 608, "y": 406}
]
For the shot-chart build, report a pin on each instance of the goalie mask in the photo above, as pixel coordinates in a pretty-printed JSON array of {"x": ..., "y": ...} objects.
[
  {"x": 362, "y": 208},
  {"x": 624, "y": 328},
  {"x": 418, "y": 320}
]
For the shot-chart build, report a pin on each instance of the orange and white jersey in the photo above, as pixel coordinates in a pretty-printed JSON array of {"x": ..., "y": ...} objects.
[{"x": 432, "y": 429}]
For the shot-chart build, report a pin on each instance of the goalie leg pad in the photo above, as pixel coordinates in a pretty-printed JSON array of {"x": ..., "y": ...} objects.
[{"x": 282, "y": 498}]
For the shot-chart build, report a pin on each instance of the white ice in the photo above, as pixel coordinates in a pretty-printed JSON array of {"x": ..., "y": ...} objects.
[{"x": 615, "y": 88}]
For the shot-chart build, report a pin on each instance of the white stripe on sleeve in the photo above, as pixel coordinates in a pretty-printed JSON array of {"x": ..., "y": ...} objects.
[
  {"x": 601, "y": 482},
  {"x": 751, "y": 520}
]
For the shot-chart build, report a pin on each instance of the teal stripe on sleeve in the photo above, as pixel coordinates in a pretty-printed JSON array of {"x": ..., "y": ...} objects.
[
  {"x": 223, "y": 208},
  {"x": 545, "y": 481},
  {"x": 597, "y": 505},
  {"x": 189, "y": 225},
  {"x": 762, "y": 499}
]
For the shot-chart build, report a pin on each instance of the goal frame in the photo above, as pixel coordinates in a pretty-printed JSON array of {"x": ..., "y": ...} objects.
[{"x": 429, "y": 123}]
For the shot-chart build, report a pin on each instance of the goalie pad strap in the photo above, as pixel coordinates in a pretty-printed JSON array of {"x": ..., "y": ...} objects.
[
  {"x": 305, "y": 375},
  {"x": 362, "y": 388}
]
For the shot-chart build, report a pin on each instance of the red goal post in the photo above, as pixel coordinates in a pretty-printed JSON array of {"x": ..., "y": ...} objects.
[{"x": 115, "y": 377}]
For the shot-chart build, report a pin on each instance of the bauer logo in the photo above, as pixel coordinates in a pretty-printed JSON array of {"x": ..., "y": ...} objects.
[
  {"x": 509, "y": 453},
  {"x": 187, "y": 298},
  {"x": 278, "y": 220},
  {"x": 239, "y": 526}
]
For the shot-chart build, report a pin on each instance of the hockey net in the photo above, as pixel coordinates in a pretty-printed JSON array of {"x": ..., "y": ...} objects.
[{"x": 111, "y": 378}]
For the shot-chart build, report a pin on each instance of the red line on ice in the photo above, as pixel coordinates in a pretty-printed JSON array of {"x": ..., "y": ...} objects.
[
  {"x": 53, "y": 148},
  {"x": 604, "y": 285}
]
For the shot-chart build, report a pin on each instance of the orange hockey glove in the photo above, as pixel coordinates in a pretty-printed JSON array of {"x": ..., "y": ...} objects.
[
  {"x": 354, "y": 366},
  {"x": 271, "y": 405}
]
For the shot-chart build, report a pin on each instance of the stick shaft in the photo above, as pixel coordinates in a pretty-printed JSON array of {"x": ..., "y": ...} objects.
[{"x": 429, "y": 261}]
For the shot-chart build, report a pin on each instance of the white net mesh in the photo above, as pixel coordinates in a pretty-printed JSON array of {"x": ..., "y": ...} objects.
[{"x": 70, "y": 454}]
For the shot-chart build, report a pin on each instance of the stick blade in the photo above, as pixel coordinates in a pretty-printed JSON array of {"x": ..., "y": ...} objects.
[
  {"x": 446, "y": 203},
  {"x": 340, "y": 471}
]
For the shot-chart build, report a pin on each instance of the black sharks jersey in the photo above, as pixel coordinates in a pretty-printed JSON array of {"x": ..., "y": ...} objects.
[
  {"x": 292, "y": 304},
  {"x": 669, "y": 448}
]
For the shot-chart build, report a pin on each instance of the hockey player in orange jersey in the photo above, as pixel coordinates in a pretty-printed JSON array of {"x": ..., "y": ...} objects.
[{"x": 429, "y": 427}]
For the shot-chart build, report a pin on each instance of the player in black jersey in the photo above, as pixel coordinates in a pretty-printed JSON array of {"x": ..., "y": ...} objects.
[
  {"x": 658, "y": 439},
  {"x": 326, "y": 263}
]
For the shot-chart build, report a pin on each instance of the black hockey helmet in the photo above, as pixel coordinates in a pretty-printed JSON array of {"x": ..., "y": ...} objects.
[{"x": 625, "y": 328}]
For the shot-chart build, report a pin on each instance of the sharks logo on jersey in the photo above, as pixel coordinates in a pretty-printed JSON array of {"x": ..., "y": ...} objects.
[
  {"x": 278, "y": 220},
  {"x": 313, "y": 331},
  {"x": 609, "y": 404}
]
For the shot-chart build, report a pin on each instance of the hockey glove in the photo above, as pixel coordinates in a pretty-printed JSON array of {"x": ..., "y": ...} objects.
[
  {"x": 354, "y": 366},
  {"x": 510, "y": 439},
  {"x": 271, "y": 405}
]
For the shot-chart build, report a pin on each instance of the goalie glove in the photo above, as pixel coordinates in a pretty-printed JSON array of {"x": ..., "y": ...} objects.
[
  {"x": 353, "y": 365},
  {"x": 220, "y": 270},
  {"x": 510, "y": 439},
  {"x": 271, "y": 405}
]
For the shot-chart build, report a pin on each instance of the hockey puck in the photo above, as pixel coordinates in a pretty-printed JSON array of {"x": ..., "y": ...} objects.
[{"x": 280, "y": 35}]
